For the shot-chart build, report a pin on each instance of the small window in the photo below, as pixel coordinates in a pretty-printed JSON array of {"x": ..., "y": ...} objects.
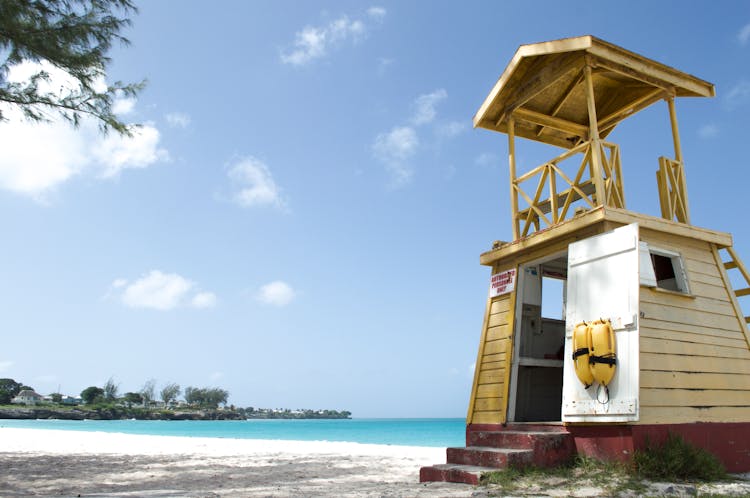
[{"x": 662, "y": 269}]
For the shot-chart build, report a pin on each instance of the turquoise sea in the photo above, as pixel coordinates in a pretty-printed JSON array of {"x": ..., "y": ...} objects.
[{"x": 436, "y": 432}]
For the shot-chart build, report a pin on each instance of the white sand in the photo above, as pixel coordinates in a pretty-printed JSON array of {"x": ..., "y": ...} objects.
[
  {"x": 49, "y": 463},
  {"x": 71, "y": 463}
]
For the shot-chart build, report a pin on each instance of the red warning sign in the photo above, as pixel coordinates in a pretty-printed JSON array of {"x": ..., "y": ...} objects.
[{"x": 502, "y": 283}]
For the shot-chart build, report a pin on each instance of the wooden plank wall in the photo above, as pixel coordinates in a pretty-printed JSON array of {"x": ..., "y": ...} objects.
[
  {"x": 695, "y": 361},
  {"x": 488, "y": 397}
]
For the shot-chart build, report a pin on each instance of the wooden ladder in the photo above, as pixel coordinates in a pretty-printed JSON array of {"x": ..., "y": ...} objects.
[{"x": 736, "y": 263}]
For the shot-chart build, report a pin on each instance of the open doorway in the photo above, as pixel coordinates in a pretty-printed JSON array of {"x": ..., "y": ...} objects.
[{"x": 537, "y": 371}]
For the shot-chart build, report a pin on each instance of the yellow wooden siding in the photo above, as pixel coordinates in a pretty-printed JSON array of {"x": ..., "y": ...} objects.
[
  {"x": 488, "y": 403},
  {"x": 694, "y": 360}
]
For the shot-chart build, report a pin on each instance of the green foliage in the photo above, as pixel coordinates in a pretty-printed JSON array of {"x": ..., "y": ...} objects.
[
  {"x": 507, "y": 479},
  {"x": 147, "y": 391},
  {"x": 677, "y": 459},
  {"x": 9, "y": 388},
  {"x": 56, "y": 397},
  {"x": 132, "y": 398},
  {"x": 111, "y": 389},
  {"x": 206, "y": 397},
  {"x": 74, "y": 36},
  {"x": 170, "y": 392},
  {"x": 92, "y": 394},
  {"x": 674, "y": 460},
  {"x": 614, "y": 478}
]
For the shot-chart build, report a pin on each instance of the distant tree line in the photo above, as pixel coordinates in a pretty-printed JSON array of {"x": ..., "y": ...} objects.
[{"x": 202, "y": 398}]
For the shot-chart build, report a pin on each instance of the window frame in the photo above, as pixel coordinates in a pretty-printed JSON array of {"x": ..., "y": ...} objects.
[{"x": 648, "y": 273}]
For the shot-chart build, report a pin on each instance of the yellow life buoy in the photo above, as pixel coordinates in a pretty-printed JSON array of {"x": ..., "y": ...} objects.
[
  {"x": 602, "y": 350},
  {"x": 581, "y": 351}
]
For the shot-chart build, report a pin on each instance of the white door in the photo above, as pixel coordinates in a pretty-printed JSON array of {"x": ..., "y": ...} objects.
[{"x": 603, "y": 283}]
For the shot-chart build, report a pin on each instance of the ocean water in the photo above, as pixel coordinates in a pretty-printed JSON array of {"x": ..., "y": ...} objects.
[{"x": 442, "y": 432}]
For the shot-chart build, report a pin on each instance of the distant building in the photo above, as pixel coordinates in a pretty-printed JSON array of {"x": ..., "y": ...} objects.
[{"x": 27, "y": 397}]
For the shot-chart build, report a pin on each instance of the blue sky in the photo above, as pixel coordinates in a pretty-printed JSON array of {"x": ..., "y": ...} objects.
[{"x": 300, "y": 218}]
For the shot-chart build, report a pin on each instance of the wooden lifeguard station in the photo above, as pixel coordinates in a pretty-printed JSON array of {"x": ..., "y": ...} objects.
[{"x": 682, "y": 343}]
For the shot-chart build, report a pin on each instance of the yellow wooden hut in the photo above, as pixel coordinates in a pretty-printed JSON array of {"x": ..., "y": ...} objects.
[{"x": 660, "y": 284}]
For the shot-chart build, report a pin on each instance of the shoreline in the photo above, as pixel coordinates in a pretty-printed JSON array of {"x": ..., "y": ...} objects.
[
  {"x": 59, "y": 441},
  {"x": 433, "y": 433}
]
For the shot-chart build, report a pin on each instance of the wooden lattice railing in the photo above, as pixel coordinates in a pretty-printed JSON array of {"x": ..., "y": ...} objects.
[
  {"x": 550, "y": 205},
  {"x": 672, "y": 190}
]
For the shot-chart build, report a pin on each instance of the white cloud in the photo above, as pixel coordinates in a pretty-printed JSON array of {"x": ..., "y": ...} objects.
[
  {"x": 119, "y": 283},
  {"x": 276, "y": 293},
  {"x": 738, "y": 95},
  {"x": 708, "y": 131},
  {"x": 398, "y": 144},
  {"x": 487, "y": 159},
  {"x": 162, "y": 291},
  {"x": 744, "y": 34},
  {"x": 451, "y": 129},
  {"x": 253, "y": 184},
  {"x": 424, "y": 106},
  {"x": 342, "y": 28},
  {"x": 123, "y": 106},
  {"x": 178, "y": 119},
  {"x": 116, "y": 152},
  {"x": 383, "y": 64},
  {"x": 28, "y": 169},
  {"x": 313, "y": 42},
  {"x": 310, "y": 44},
  {"x": 394, "y": 149},
  {"x": 204, "y": 300},
  {"x": 376, "y": 12},
  {"x": 5, "y": 365}
]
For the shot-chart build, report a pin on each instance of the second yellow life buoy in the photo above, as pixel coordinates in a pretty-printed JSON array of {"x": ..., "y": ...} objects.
[
  {"x": 581, "y": 351},
  {"x": 602, "y": 351}
]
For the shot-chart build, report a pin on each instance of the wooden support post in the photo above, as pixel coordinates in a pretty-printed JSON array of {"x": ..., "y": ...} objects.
[
  {"x": 675, "y": 130},
  {"x": 596, "y": 150},
  {"x": 681, "y": 182},
  {"x": 512, "y": 165}
]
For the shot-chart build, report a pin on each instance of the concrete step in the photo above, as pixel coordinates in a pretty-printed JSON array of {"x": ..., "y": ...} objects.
[
  {"x": 485, "y": 456},
  {"x": 515, "y": 439},
  {"x": 467, "y": 474},
  {"x": 516, "y": 445},
  {"x": 549, "y": 448}
]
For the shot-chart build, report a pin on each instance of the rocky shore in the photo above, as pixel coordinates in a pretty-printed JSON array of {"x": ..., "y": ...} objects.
[{"x": 115, "y": 413}]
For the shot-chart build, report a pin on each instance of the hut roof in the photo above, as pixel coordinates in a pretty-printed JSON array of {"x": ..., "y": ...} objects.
[{"x": 543, "y": 88}]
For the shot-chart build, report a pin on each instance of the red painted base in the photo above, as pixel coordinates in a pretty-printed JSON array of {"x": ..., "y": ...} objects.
[{"x": 730, "y": 442}]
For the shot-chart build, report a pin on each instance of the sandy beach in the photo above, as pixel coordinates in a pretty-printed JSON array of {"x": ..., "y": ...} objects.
[
  {"x": 95, "y": 464},
  {"x": 46, "y": 463}
]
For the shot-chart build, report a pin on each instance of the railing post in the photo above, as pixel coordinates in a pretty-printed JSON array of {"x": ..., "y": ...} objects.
[{"x": 553, "y": 193}]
